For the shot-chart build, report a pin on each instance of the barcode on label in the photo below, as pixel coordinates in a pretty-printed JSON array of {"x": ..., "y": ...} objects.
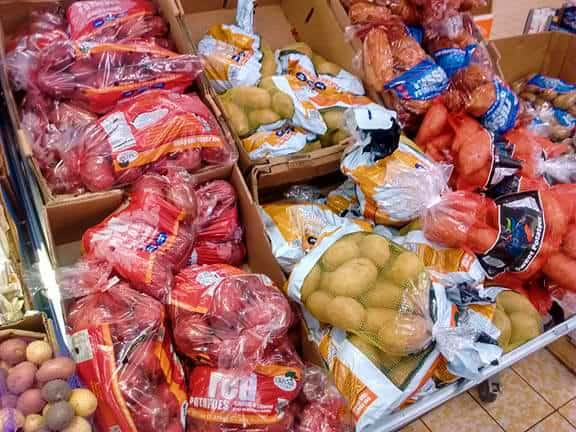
[
  {"x": 82, "y": 349},
  {"x": 119, "y": 134}
]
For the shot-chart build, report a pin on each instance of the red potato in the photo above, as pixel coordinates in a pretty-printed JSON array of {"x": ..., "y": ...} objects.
[
  {"x": 13, "y": 351},
  {"x": 434, "y": 124},
  {"x": 57, "y": 368},
  {"x": 560, "y": 268},
  {"x": 569, "y": 242}
]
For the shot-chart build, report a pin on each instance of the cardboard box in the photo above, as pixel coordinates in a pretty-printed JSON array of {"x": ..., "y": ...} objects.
[
  {"x": 281, "y": 22},
  {"x": 550, "y": 54},
  {"x": 67, "y": 216},
  {"x": 35, "y": 326}
]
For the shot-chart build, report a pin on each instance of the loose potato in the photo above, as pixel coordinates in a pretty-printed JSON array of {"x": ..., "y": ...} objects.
[
  {"x": 407, "y": 266},
  {"x": 34, "y": 423},
  {"x": 345, "y": 313},
  {"x": 334, "y": 119},
  {"x": 351, "y": 279},
  {"x": 56, "y": 391},
  {"x": 316, "y": 304},
  {"x": 408, "y": 335},
  {"x": 376, "y": 249},
  {"x": 59, "y": 416},
  {"x": 13, "y": 351},
  {"x": 38, "y": 352},
  {"x": 342, "y": 251},
  {"x": 11, "y": 419},
  {"x": 367, "y": 349},
  {"x": 83, "y": 402},
  {"x": 8, "y": 401},
  {"x": 56, "y": 368},
  {"x": 20, "y": 378},
  {"x": 253, "y": 98},
  {"x": 261, "y": 117},
  {"x": 237, "y": 117},
  {"x": 30, "y": 402},
  {"x": 80, "y": 424},
  {"x": 385, "y": 294},
  {"x": 311, "y": 283},
  {"x": 283, "y": 105},
  {"x": 502, "y": 323},
  {"x": 268, "y": 62},
  {"x": 377, "y": 318}
]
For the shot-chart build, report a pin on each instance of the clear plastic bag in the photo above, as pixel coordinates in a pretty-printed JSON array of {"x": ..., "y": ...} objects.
[
  {"x": 151, "y": 238},
  {"x": 114, "y": 20},
  {"x": 153, "y": 132},
  {"x": 98, "y": 75},
  {"x": 124, "y": 355},
  {"x": 224, "y": 317}
]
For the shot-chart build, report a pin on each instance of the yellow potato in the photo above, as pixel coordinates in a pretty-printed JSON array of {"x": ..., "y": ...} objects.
[
  {"x": 343, "y": 250},
  {"x": 237, "y": 117},
  {"x": 326, "y": 139},
  {"x": 369, "y": 350},
  {"x": 502, "y": 323},
  {"x": 407, "y": 266},
  {"x": 310, "y": 147},
  {"x": 283, "y": 105},
  {"x": 356, "y": 237},
  {"x": 250, "y": 97},
  {"x": 268, "y": 62},
  {"x": 403, "y": 370},
  {"x": 389, "y": 361},
  {"x": 512, "y": 302},
  {"x": 267, "y": 84},
  {"x": 325, "y": 67},
  {"x": 300, "y": 47},
  {"x": 525, "y": 327},
  {"x": 339, "y": 136},
  {"x": 377, "y": 318},
  {"x": 317, "y": 303},
  {"x": 376, "y": 249},
  {"x": 385, "y": 294},
  {"x": 345, "y": 313},
  {"x": 351, "y": 279},
  {"x": 258, "y": 118},
  {"x": 334, "y": 119},
  {"x": 408, "y": 335},
  {"x": 311, "y": 283}
]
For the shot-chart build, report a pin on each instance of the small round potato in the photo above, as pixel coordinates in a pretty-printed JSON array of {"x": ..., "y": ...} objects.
[
  {"x": 406, "y": 267},
  {"x": 385, "y": 294},
  {"x": 311, "y": 283},
  {"x": 342, "y": 251},
  {"x": 351, "y": 279},
  {"x": 345, "y": 313},
  {"x": 84, "y": 402},
  {"x": 38, "y": 352},
  {"x": 376, "y": 249},
  {"x": 317, "y": 303}
]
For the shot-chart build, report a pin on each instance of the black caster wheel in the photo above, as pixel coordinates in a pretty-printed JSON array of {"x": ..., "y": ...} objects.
[{"x": 490, "y": 389}]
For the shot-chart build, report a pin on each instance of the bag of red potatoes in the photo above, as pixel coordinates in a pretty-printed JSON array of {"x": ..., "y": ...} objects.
[{"x": 123, "y": 352}]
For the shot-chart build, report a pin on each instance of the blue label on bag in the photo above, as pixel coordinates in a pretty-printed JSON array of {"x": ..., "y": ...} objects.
[
  {"x": 564, "y": 118},
  {"x": 424, "y": 81},
  {"x": 501, "y": 116},
  {"x": 417, "y": 33},
  {"x": 555, "y": 84},
  {"x": 454, "y": 59}
]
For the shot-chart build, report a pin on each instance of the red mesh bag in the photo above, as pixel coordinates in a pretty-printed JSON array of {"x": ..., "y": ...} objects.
[
  {"x": 114, "y": 20},
  {"x": 155, "y": 131},
  {"x": 225, "y": 252},
  {"x": 100, "y": 74},
  {"x": 225, "y": 317},
  {"x": 258, "y": 399},
  {"x": 125, "y": 357},
  {"x": 148, "y": 240}
]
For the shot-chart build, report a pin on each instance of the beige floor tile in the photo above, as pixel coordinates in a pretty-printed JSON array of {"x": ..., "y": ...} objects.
[
  {"x": 417, "y": 426},
  {"x": 554, "y": 423},
  {"x": 569, "y": 412},
  {"x": 518, "y": 407},
  {"x": 460, "y": 414},
  {"x": 549, "y": 377}
]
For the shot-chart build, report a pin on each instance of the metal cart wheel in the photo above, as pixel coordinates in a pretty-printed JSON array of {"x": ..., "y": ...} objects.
[{"x": 490, "y": 389}]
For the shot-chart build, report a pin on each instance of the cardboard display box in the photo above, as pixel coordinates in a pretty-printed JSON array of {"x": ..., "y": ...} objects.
[
  {"x": 67, "y": 216},
  {"x": 550, "y": 54},
  {"x": 35, "y": 326},
  {"x": 280, "y": 22}
]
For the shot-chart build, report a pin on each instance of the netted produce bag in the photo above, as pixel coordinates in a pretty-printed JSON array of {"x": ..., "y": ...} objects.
[
  {"x": 99, "y": 74},
  {"x": 294, "y": 228},
  {"x": 152, "y": 132},
  {"x": 233, "y": 53},
  {"x": 394, "y": 64},
  {"x": 260, "y": 398},
  {"x": 377, "y": 155},
  {"x": 150, "y": 238},
  {"x": 224, "y": 317},
  {"x": 111, "y": 20},
  {"x": 123, "y": 353}
]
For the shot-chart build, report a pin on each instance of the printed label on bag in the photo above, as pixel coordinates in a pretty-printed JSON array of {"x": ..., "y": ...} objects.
[
  {"x": 417, "y": 32},
  {"x": 501, "y": 116},
  {"x": 503, "y": 164},
  {"x": 555, "y": 84},
  {"x": 424, "y": 81},
  {"x": 454, "y": 59},
  {"x": 522, "y": 229},
  {"x": 564, "y": 118}
]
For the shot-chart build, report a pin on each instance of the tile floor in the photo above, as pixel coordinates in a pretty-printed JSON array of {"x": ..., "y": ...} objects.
[{"x": 539, "y": 395}]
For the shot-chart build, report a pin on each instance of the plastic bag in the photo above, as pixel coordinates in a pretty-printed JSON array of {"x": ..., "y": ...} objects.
[
  {"x": 344, "y": 201},
  {"x": 154, "y": 131},
  {"x": 225, "y": 317},
  {"x": 258, "y": 399},
  {"x": 124, "y": 355},
  {"x": 395, "y": 64},
  {"x": 100, "y": 74},
  {"x": 149, "y": 239},
  {"x": 283, "y": 141},
  {"x": 232, "y": 53},
  {"x": 114, "y": 20},
  {"x": 294, "y": 228}
]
